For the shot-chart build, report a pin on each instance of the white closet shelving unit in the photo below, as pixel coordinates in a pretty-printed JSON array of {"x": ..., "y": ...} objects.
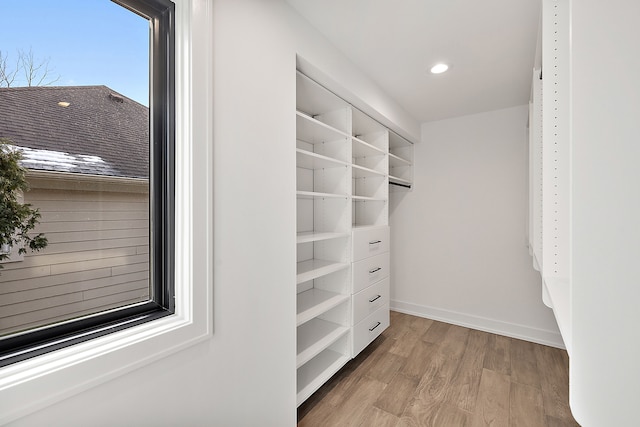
[
  {"x": 370, "y": 171},
  {"x": 370, "y": 238},
  {"x": 400, "y": 161},
  {"x": 343, "y": 161},
  {"x": 323, "y": 182},
  {"x": 549, "y": 159},
  {"x": 555, "y": 163}
]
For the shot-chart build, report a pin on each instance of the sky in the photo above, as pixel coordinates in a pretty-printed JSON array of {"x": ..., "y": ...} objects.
[{"x": 87, "y": 42}]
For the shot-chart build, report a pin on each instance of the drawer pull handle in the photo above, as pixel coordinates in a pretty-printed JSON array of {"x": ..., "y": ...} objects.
[
  {"x": 371, "y": 329},
  {"x": 375, "y": 298},
  {"x": 375, "y": 270},
  {"x": 375, "y": 242}
]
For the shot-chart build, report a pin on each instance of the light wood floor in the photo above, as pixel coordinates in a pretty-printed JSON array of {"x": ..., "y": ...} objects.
[{"x": 421, "y": 372}]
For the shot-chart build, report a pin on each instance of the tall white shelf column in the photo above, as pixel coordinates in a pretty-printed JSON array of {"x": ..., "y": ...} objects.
[
  {"x": 370, "y": 238},
  {"x": 323, "y": 183},
  {"x": 346, "y": 162},
  {"x": 588, "y": 206},
  {"x": 555, "y": 161},
  {"x": 549, "y": 231}
]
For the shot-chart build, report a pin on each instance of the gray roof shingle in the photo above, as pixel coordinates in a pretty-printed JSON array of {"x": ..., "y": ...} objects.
[{"x": 101, "y": 132}]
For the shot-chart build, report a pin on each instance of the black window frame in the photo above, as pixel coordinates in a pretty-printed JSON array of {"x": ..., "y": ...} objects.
[{"x": 21, "y": 346}]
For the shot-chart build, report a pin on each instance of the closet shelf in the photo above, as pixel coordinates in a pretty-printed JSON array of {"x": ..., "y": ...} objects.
[
  {"x": 395, "y": 161},
  {"x": 314, "y": 268},
  {"x": 362, "y": 172},
  {"x": 314, "y": 131},
  {"x": 308, "y": 160},
  {"x": 362, "y": 124},
  {"x": 315, "y": 195},
  {"x": 361, "y": 227},
  {"x": 396, "y": 141},
  {"x": 310, "y": 236},
  {"x": 364, "y": 149},
  {"x": 314, "y": 302},
  {"x": 317, "y": 371},
  {"x": 312, "y": 98},
  {"x": 368, "y": 199},
  {"x": 315, "y": 336}
]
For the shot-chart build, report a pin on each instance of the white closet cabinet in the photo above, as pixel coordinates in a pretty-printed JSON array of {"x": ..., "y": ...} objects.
[
  {"x": 370, "y": 274},
  {"x": 343, "y": 159}
]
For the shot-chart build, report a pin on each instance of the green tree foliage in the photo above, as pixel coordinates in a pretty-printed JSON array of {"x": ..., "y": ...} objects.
[{"x": 16, "y": 219}]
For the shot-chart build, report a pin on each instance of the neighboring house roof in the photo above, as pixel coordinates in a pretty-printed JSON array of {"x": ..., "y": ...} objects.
[{"x": 100, "y": 132}]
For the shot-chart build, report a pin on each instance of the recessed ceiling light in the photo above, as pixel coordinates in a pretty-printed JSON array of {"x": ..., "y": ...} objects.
[
  {"x": 64, "y": 103},
  {"x": 439, "y": 68}
]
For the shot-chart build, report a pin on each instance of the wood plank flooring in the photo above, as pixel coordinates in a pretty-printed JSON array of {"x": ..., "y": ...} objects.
[{"x": 421, "y": 372}]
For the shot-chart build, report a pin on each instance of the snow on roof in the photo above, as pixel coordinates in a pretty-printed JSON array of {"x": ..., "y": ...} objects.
[{"x": 65, "y": 162}]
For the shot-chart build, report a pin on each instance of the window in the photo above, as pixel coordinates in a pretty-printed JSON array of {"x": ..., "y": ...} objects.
[
  {"x": 97, "y": 277},
  {"x": 33, "y": 383}
]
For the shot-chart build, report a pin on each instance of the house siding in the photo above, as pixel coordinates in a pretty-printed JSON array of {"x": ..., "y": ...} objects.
[{"x": 97, "y": 257}]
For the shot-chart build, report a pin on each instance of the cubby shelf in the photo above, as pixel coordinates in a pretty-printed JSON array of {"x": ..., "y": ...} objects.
[
  {"x": 317, "y": 371},
  {"x": 362, "y": 172},
  {"x": 363, "y": 149},
  {"x": 314, "y": 336},
  {"x": 314, "y": 131},
  {"x": 368, "y": 199},
  {"x": 397, "y": 142},
  {"x": 363, "y": 227},
  {"x": 308, "y": 160},
  {"x": 314, "y": 268},
  {"x": 398, "y": 161},
  {"x": 312, "y": 99},
  {"x": 316, "y": 195},
  {"x": 314, "y": 302},
  {"x": 310, "y": 236}
]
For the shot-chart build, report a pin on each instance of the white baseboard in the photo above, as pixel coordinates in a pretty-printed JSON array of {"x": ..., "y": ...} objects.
[{"x": 540, "y": 336}]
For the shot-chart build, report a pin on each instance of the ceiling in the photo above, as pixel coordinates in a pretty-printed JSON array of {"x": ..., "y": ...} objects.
[{"x": 490, "y": 45}]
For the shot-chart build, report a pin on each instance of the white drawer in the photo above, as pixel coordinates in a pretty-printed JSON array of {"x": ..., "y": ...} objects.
[
  {"x": 370, "y": 299},
  {"x": 367, "y": 330},
  {"x": 370, "y": 241},
  {"x": 369, "y": 271}
]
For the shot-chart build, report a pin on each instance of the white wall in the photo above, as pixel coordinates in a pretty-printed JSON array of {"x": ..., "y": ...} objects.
[
  {"x": 329, "y": 67},
  {"x": 459, "y": 249},
  {"x": 245, "y": 375},
  {"x": 605, "y": 203}
]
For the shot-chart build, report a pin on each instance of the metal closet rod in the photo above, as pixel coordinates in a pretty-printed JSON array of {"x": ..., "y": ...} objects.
[{"x": 399, "y": 185}]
